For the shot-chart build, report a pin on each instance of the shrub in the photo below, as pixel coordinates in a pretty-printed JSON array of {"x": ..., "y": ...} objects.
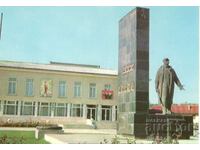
[
  {"x": 24, "y": 124},
  {"x": 115, "y": 140},
  {"x": 11, "y": 140},
  {"x": 131, "y": 140}
]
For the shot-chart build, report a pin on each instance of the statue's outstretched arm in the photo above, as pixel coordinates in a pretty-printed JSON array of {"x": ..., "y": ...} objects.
[{"x": 177, "y": 81}]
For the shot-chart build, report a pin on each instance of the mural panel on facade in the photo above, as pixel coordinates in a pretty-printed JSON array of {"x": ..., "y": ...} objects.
[{"x": 46, "y": 88}]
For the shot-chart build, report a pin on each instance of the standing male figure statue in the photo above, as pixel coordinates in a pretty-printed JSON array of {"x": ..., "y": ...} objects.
[{"x": 165, "y": 79}]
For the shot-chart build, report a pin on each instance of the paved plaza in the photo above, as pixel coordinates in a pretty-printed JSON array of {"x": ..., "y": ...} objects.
[
  {"x": 91, "y": 136},
  {"x": 88, "y": 136}
]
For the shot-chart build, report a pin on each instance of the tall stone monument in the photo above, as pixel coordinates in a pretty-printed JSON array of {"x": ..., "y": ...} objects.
[{"x": 133, "y": 67}]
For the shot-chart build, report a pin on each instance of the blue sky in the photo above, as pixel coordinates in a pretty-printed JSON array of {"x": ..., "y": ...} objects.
[{"x": 89, "y": 35}]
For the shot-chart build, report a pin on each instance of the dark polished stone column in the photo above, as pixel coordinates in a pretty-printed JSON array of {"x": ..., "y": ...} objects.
[{"x": 133, "y": 67}]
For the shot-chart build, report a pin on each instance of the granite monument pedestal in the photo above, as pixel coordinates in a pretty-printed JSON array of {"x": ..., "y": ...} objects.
[
  {"x": 172, "y": 125},
  {"x": 133, "y": 83}
]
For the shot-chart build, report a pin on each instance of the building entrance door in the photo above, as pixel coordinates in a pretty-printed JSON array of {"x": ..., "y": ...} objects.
[
  {"x": 91, "y": 112},
  {"x": 106, "y": 113}
]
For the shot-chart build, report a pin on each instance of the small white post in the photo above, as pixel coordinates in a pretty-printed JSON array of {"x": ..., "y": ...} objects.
[
  {"x": 99, "y": 113},
  {"x": 19, "y": 108},
  {"x": 84, "y": 111},
  {"x": 36, "y": 109},
  {"x": 113, "y": 113},
  {"x": 68, "y": 109}
]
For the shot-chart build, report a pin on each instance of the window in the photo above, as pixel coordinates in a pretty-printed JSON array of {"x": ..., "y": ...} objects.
[
  {"x": 62, "y": 89},
  {"x": 12, "y": 86},
  {"x": 107, "y": 87},
  {"x": 77, "y": 89},
  {"x": 29, "y": 87},
  {"x": 115, "y": 113},
  {"x": 10, "y": 108},
  {"x": 60, "y": 109},
  {"x": 76, "y": 110},
  {"x": 106, "y": 113},
  {"x": 44, "y": 109},
  {"x": 122, "y": 107},
  {"x": 27, "y": 108},
  {"x": 107, "y": 93},
  {"x": 92, "y": 90},
  {"x": 91, "y": 112}
]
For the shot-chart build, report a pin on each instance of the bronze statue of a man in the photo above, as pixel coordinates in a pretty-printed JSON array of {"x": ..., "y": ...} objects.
[{"x": 165, "y": 79}]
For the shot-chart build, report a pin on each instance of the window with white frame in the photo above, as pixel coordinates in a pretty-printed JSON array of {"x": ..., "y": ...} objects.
[
  {"x": 62, "y": 88},
  {"x": 76, "y": 110},
  {"x": 10, "y": 107},
  {"x": 92, "y": 91},
  {"x": 107, "y": 87},
  {"x": 29, "y": 87},
  {"x": 44, "y": 109},
  {"x": 12, "y": 86},
  {"x": 27, "y": 108},
  {"x": 77, "y": 89},
  {"x": 60, "y": 109},
  {"x": 106, "y": 113},
  {"x": 115, "y": 113}
]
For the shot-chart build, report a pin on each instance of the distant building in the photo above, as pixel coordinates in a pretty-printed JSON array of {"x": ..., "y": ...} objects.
[
  {"x": 57, "y": 92},
  {"x": 184, "y": 109}
]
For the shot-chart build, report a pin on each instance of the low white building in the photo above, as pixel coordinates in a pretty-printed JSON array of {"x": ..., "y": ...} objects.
[{"x": 57, "y": 92}]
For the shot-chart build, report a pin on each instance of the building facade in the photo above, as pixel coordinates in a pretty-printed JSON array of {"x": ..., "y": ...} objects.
[{"x": 57, "y": 91}]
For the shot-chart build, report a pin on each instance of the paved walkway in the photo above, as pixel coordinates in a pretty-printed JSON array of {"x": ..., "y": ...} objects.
[
  {"x": 91, "y": 131},
  {"x": 70, "y": 138},
  {"x": 88, "y": 136},
  {"x": 95, "y": 136}
]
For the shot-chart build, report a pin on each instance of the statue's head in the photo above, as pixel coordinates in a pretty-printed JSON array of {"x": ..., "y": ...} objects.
[{"x": 166, "y": 61}]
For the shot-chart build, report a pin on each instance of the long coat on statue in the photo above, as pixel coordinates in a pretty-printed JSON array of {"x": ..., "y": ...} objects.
[{"x": 165, "y": 79}]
